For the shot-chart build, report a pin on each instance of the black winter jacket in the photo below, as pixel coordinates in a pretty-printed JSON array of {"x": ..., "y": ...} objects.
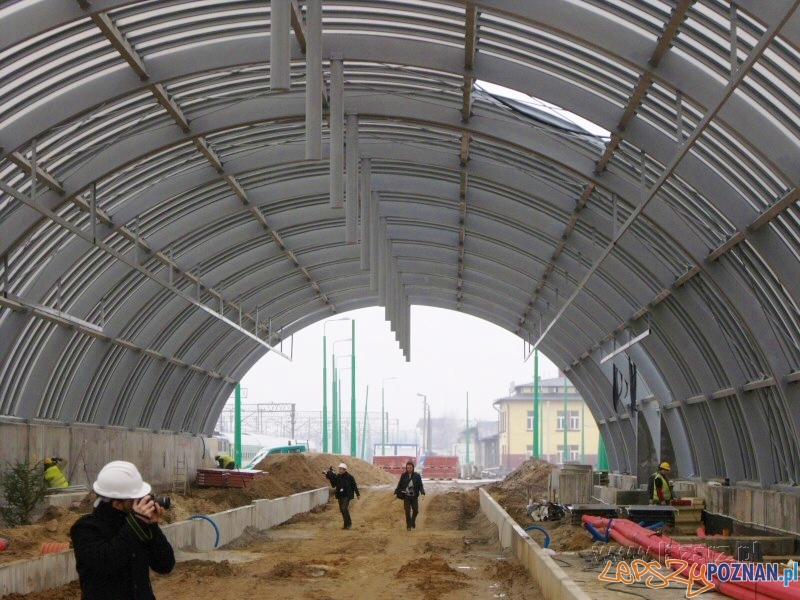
[
  {"x": 345, "y": 485},
  {"x": 402, "y": 485},
  {"x": 112, "y": 562}
]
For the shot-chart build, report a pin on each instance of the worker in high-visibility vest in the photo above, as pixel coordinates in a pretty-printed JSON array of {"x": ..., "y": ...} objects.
[
  {"x": 53, "y": 475},
  {"x": 661, "y": 492},
  {"x": 225, "y": 461}
]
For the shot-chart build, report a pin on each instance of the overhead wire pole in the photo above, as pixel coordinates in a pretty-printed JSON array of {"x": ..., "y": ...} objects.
[
  {"x": 337, "y": 418},
  {"x": 341, "y": 394},
  {"x": 535, "y": 421},
  {"x": 468, "y": 428},
  {"x": 364, "y": 427},
  {"x": 325, "y": 380},
  {"x": 353, "y": 391},
  {"x": 424, "y": 421},
  {"x": 566, "y": 421},
  {"x": 324, "y": 392},
  {"x": 383, "y": 417},
  {"x": 237, "y": 425}
]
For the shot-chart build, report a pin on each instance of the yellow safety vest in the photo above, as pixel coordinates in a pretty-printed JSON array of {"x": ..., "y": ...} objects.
[
  {"x": 664, "y": 488},
  {"x": 55, "y": 478}
]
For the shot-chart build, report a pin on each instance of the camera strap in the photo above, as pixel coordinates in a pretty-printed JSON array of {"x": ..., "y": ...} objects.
[{"x": 142, "y": 533}]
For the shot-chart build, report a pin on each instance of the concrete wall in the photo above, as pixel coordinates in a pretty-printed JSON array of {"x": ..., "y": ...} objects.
[
  {"x": 551, "y": 579},
  {"x": 87, "y": 448},
  {"x": 770, "y": 510},
  {"x": 622, "y": 482},
  {"x": 200, "y": 535}
]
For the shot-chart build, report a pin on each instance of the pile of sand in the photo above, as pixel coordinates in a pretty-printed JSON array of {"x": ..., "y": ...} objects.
[
  {"x": 530, "y": 482},
  {"x": 283, "y": 475}
]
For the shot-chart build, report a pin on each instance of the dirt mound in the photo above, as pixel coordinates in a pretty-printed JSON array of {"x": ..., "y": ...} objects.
[
  {"x": 432, "y": 576},
  {"x": 304, "y": 471},
  {"x": 284, "y": 474},
  {"x": 533, "y": 474},
  {"x": 529, "y": 481}
]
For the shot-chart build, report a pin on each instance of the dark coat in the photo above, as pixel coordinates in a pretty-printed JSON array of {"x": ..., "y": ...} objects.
[
  {"x": 113, "y": 563},
  {"x": 402, "y": 485},
  {"x": 344, "y": 484}
]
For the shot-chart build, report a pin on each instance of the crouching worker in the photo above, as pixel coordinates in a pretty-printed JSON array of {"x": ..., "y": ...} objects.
[
  {"x": 225, "y": 462},
  {"x": 120, "y": 541},
  {"x": 53, "y": 476}
]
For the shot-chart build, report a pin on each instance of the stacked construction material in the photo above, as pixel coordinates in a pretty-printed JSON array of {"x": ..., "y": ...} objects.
[
  {"x": 226, "y": 477},
  {"x": 689, "y": 516},
  {"x": 394, "y": 465},
  {"x": 646, "y": 514},
  {"x": 609, "y": 511},
  {"x": 441, "y": 467}
]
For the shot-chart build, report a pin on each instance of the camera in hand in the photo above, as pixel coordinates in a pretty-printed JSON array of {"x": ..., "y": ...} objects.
[{"x": 163, "y": 501}]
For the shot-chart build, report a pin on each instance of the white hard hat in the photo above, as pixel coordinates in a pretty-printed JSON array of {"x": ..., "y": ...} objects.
[
  {"x": 120, "y": 480},
  {"x": 343, "y": 466}
]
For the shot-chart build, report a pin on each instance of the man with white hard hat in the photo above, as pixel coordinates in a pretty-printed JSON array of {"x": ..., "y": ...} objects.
[
  {"x": 120, "y": 541},
  {"x": 346, "y": 488}
]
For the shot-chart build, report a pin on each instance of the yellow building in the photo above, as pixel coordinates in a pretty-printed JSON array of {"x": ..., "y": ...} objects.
[{"x": 515, "y": 415}]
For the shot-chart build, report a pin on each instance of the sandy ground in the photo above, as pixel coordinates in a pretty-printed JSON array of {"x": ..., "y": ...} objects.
[{"x": 453, "y": 553}]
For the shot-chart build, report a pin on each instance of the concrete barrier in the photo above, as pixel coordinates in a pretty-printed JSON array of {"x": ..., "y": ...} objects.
[
  {"x": 554, "y": 583},
  {"x": 53, "y": 570}
]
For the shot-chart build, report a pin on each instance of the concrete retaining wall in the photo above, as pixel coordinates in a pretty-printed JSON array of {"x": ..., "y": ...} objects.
[
  {"x": 53, "y": 570},
  {"x": 87, "y": 448},
  {"x": 554, "y": 583},
  {"x": 770, "y": 510}
]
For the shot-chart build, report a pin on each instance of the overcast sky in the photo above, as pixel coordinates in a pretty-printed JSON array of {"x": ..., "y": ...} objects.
[{"x": 452, "y": 354}]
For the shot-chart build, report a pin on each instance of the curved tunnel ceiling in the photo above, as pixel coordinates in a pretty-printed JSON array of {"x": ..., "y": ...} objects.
[{"x": 167, "y": 211}]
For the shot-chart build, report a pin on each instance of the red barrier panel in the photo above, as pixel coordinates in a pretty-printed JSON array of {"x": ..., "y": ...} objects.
[{"x": 394, "y": 465}]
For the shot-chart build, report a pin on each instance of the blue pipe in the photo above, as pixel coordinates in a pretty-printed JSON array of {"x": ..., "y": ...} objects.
[
  {"x": 596, "y": 535},
  {"x": 216, "y": 542},
  {"x": 544, "y": 531}
]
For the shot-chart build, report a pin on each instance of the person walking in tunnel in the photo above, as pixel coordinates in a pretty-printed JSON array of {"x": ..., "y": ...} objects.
[
  {"x": 225, "y": 462},
  {"x": 410, "y": 488},
  {"x": 118, "y": 543},
  {"x": 53, "y": 476},
  {"x": 659, "y": 487},
  {"x": 346, "y": 488}
]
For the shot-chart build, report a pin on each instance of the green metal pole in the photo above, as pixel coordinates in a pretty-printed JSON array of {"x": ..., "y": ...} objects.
[
  {"x": 353, "y": 392},
  {"x": 364, "y": 427},
  {"x": 535, "y": 424},
  {"x": 339, "y": 444},
  {"x": 467, "y": 427},
  {"x": 237, "y": 426},
  {"x": 566, "y": 420},
  {"x": 602, "y": 455},
  {"x": 324, "y": 394},
  {"x": 583, "y": 434},
  {"x": 335, "y": 412}
]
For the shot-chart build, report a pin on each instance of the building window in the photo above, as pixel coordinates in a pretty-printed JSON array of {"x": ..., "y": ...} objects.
[
  {"x": 530, "y": 420},
  {"x": 529, "y": 451},
  {"x": 574, "y": 420},
  {"x": 574, "y": 453}
]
